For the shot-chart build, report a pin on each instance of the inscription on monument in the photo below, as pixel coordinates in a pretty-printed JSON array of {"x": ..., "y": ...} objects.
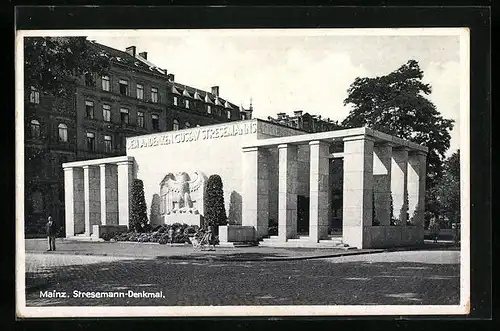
[{"x": 193, "y": 135}]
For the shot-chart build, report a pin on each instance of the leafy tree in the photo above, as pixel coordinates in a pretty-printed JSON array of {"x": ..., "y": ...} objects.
[
  {"x": 50, "y": 62},
  {"x": 215, "y": 211},
  {"x": 138, "y": 217},
  {"x": 445, "y": 195},
  {"x": 397, "y": 104}
]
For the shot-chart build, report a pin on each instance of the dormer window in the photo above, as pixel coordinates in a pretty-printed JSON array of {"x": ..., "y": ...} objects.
[
  {"x": 186, "y": 103},
  {"x": 209, "y": 109},
  {"x": 176, "y": 101},
  {"x": 228, "y": 115}
]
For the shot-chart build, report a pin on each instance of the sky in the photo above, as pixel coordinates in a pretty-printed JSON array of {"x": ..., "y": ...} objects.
[{"x": 296, "y": 69}]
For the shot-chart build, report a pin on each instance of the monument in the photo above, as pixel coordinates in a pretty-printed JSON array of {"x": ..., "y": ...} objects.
[
  {"x": 182, "y": 198},
  {"x": 268, "y": 171}
]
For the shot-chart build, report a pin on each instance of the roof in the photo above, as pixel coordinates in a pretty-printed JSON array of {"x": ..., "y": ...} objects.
[
  {"x": 191, "y": 92},
  {"x": 125, "y": 58},
  {"x": 138, "y": 61}
]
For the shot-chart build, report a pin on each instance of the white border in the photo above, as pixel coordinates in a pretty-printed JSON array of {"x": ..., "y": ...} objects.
[{"x": 50, "y": 312}]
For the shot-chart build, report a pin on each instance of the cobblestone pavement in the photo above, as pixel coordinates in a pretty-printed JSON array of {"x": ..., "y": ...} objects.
[{"x": 414, "y": 278}]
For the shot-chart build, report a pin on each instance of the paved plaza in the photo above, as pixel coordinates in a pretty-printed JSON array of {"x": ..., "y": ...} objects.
[{"x": 419, "y": 277}]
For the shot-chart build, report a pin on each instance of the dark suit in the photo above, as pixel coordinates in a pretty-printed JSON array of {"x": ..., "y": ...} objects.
[{"x": 51, "y": 235}]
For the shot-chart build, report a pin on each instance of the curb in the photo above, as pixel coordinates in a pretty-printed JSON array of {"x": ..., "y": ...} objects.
[{"x": 215, "y": 258}]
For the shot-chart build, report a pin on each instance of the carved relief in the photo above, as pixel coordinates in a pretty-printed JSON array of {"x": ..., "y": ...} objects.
[{"x": 182, "y": 193}]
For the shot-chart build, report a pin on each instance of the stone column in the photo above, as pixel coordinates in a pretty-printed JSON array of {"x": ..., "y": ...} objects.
[
  {"x": 399, "y": 174},
  {"x": 74, "y": 201},
  {"x": 382, "y": 183},
  {"x": 287, "y": 191},
  {"x": 416, "y": 187},
  {"x": 358, "y": 191},
  {"x": 255, "y": 190},
  {"x": 92, "y": 197},
  {"x": 125, "y": 182},
  {"x": 319, "y": 204},
  {"x": 109, "y": 194}
]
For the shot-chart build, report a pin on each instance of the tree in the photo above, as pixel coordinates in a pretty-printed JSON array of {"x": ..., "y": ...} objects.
[
  {"x": 215, "y": 211},
  {"x": 138, "y": 217},
  {"x": 50, "y": 62},
  {"x": 396, "y": 104},
  {"x": 445, "y": 203}
]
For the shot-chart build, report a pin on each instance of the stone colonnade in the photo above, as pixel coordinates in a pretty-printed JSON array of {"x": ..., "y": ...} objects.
[
  {"x": 384, "y": 177},
  {"x": 97, "y": 192}
]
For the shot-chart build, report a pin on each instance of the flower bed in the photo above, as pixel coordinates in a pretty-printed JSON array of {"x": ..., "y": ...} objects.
[{"x": 162, "y": 234}]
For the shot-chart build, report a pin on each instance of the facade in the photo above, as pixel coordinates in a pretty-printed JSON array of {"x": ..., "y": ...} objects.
[
  {"x": 133, "y": 98},
  {"x": 305, "y": 121},
  {"x": 268, "y": 171}
]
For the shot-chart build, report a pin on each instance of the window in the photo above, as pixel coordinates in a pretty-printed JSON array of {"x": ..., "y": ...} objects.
[
  {"x": 154, "y": 95},
  {"x": 89, "y": 80},
  {"x": 186, "y": 103},
  {"x": 108, "y": 144},
  {"x": 155, "y": 122},
  {"x": 228, "y": 115},
  {"x": 243, "y": 117},
  {"x": 140, "y": 119},
  {"x": 123, "y": 87},
  {"x": 175, "y": 126},
  {"x": 176, "y": 101},
  {"x": 35, "y": 129},
  {"x": 124, "y": 115},
  {"x": 90, "y": 141},
  {"x": 140, "y": 91},
  {"x": 105, "y": 83},
  {"x": 63, "y": 132},
  {"x": 209, "y": 109},
  {"x": 34, "y": 95},
  {"x": 106, "y": 113},
  {"x": 89, "y": 109},
  {"x": 187, "y": 125}
]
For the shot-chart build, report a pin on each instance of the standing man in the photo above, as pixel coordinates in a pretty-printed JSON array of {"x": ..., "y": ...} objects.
[{"x": 51, "y": 234}]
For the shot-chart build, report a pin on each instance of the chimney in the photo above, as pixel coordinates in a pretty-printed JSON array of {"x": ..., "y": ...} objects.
[
  {"x": 281, "y": 115},
  {"x": 170, "y": 77},
  {"x": 144, "y": 55},
  {"x": 297, "y": 113},
  {"x": 131, "y": 50},
  {"x": 215, "y": 90}
]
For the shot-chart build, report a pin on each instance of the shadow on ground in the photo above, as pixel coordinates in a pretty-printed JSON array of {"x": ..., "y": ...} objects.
[{"x": 203, "y": 283}]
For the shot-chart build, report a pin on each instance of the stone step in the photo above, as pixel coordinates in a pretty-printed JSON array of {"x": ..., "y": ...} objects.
[
  {"x": 303, "y": 244},
  {"x": 84, "y": 238},
  {"x": 237, "y": 244}
]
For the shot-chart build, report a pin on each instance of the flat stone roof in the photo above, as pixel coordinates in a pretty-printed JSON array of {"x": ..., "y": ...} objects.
[
  {"x": 337, "y": 135},
  {"x": 93, "y": 162}
]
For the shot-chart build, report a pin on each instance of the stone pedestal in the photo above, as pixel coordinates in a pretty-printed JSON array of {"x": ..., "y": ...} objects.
[
  {"x": 358, "y": 194},
  {"x": 287, "y": 192},
  {"x": 319, "y": 204},
  {"x": 399, "y": 173},
  {"x": 255, "y": 190},
  {"x": 92, "y": 189}
]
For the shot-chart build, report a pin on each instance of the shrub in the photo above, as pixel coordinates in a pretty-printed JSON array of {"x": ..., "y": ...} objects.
[
  {"x": 138, "y": 217},
  {"x": 215, "y": 211}
]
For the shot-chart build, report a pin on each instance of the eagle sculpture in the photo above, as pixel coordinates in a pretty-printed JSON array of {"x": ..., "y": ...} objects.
[{"x": 182, "y": 193}]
